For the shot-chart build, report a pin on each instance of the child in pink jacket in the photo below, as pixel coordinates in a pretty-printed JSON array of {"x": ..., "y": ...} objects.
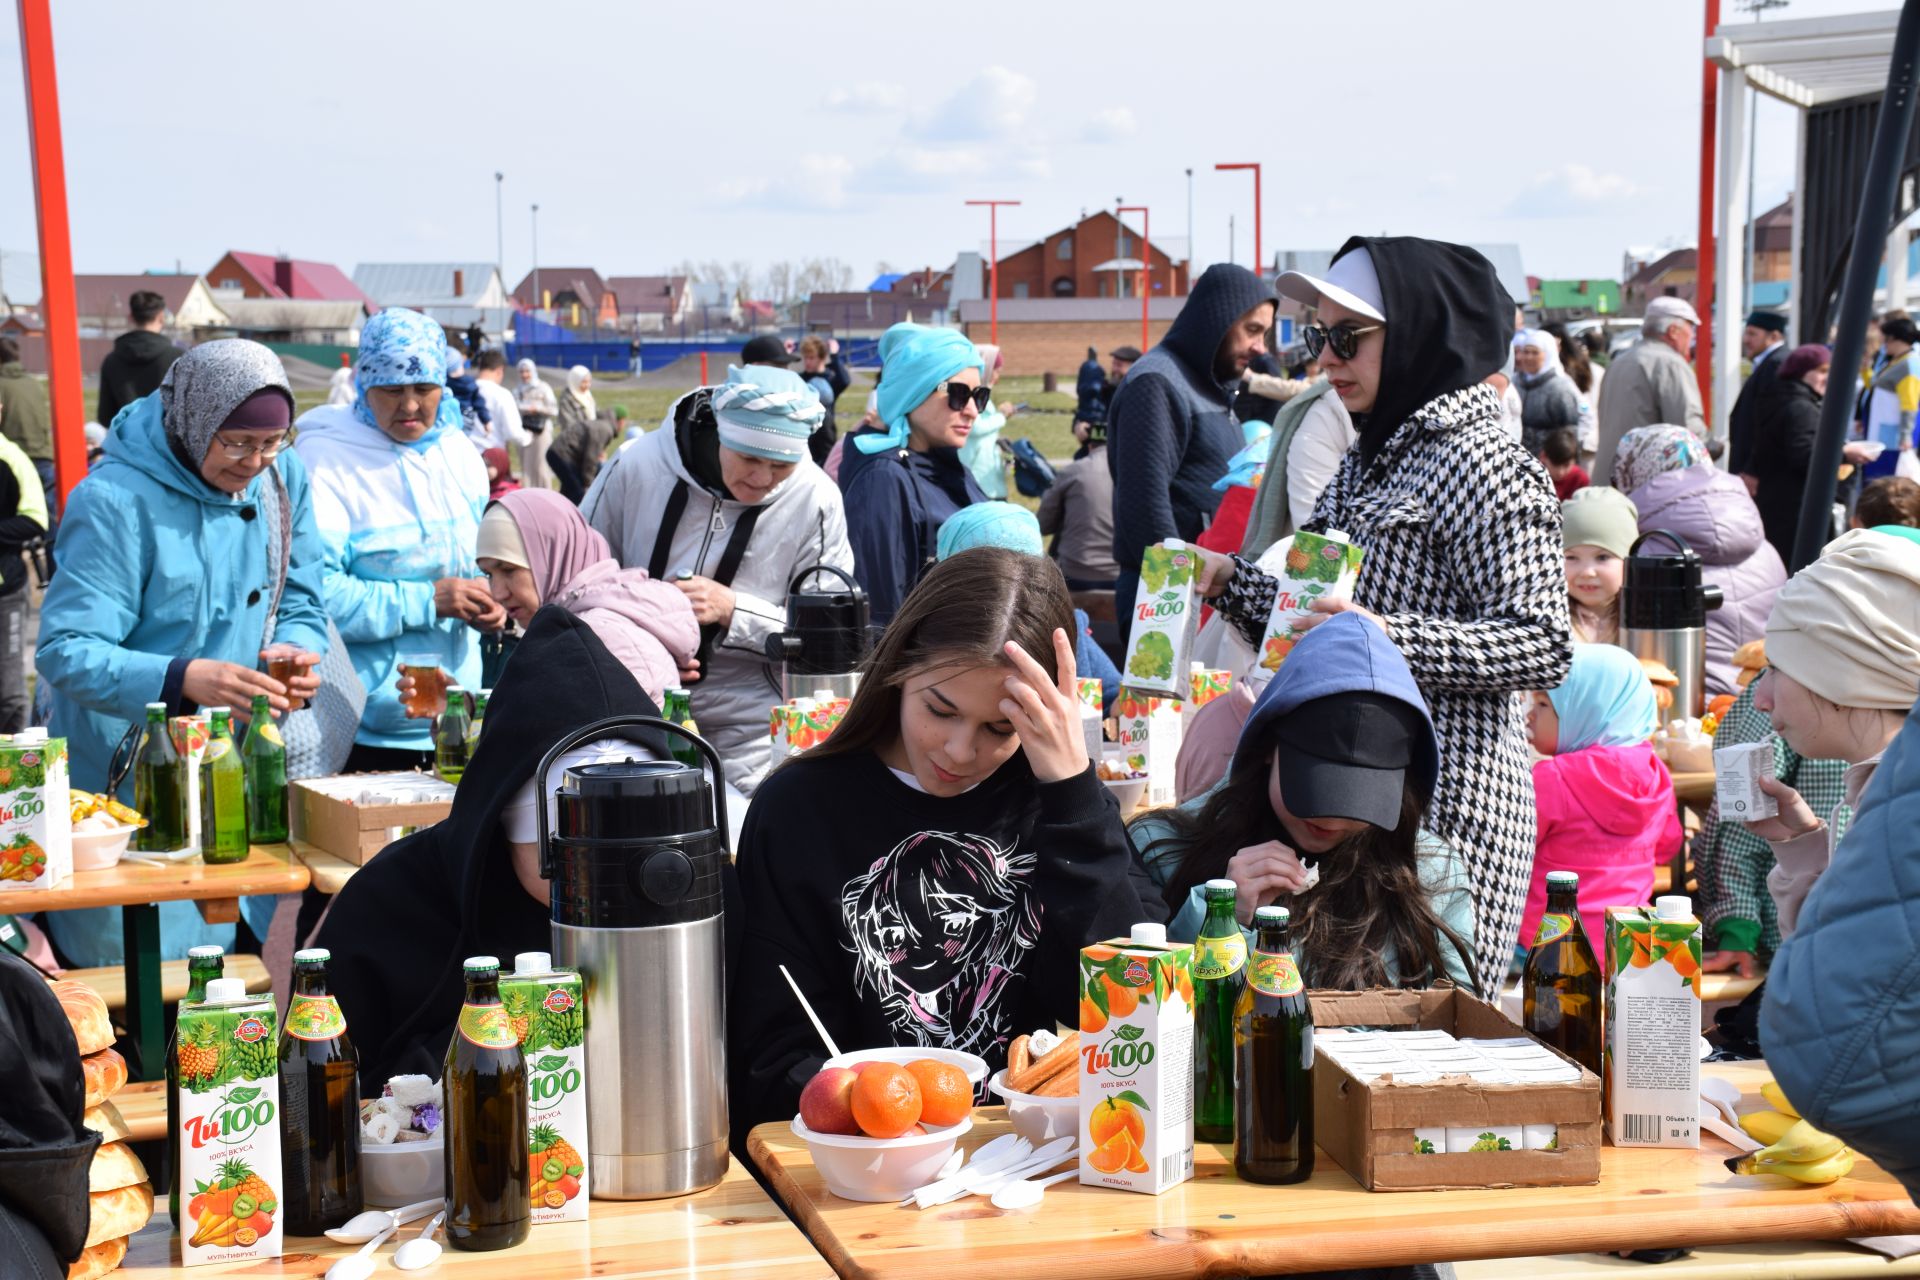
[{"x": 1604, "y": 800}]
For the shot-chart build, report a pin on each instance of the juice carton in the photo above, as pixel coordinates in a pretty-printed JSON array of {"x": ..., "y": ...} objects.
[
  {"x": 1092, "y": 721},
  {"x": 190, "y": 736},
  {"x": 547, "y": 1007},
  {"x": 1136, "y": 1065},
  {"x": 1737, "y": 771},
  {"x": 36, "y": 813},
  {"x": 228, "y": 1143},
  {"x": 1318, "y": 567},
  {"x": 1163, "y": 620},
  {"x": 1652, "y": 1079},
  {"x": 1207, "y": 684},
  {"x": 1150, "y": 730}
]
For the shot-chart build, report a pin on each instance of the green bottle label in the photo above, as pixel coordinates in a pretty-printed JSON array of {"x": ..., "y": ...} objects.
[
  {"x": 1553, "y": 927},
  {"x": 487, "y": 1025},
  {"x": 316, "y": 1018},
  {"x": 1218, "y": 957},
  {"x": 1275, "y": 975}
]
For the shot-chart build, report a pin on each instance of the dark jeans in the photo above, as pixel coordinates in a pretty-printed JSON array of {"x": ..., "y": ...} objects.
[{"x": 14, "y": 712}]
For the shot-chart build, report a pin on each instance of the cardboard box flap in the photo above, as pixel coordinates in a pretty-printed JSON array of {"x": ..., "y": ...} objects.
[{"x": 1461, "y": 1101}]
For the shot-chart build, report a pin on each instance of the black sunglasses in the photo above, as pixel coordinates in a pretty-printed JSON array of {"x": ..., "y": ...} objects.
[
  {"x": 1343, "y": 338},
  {"x": 958, "y": 393}
]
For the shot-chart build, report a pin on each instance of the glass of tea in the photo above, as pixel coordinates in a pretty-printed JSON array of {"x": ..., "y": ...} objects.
[
  {"x": 283, "y": 666},
  {"x": 429, "y": 696}
]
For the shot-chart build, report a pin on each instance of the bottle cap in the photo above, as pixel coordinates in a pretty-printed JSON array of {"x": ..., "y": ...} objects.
[
  {"x": 1271, "y": 917},
  {"x": 206, "y": 951},
  {"x": 1563, "y": 880},
  {"x": 312, "y": 955},
  {"x": 486, "y": 693},
  {"x": 454, "y": 688},
  {"x": 218, "y": 711},
  {"x": 161, "y": 707},
  {"x": 480, "y": 964},
  {"x": 533, "y": 962},
  {"x": 1149, "y": 934},
  {"x": 226, "y": 990},
  {"x": 1218, "y": 890},
  {"x": 1673, "y": 906},
  {"x": 30, "y": 737}
]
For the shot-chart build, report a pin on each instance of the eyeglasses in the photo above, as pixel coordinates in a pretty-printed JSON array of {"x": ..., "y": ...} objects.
[
  {"x": 958, "y": 393},
  {"x": 1343, "y": 338},
  {"x": 239, "y": 451}
]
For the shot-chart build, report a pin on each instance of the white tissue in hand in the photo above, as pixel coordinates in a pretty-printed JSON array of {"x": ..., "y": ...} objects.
[
  {"x": 413, "y": 1091},
  {"x": 1042, "y": 1043},
  {"x": 1313, "y": 877},
  {"x": 380, "y": 1129}
]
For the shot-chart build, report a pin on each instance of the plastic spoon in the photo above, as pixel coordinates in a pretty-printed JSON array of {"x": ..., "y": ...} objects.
[
  {"x": 1026, "y": 1194},
  {"x": 987, "y": 1160},
  {"x": 1722, "y": 1094},
  {"x": 363, "y": 1227},
  {"x": 1042, "y": 1160},
  {"x": 360, "y": 1265},
  {"x": 833, "y": 1050},
  {"x": 423, "y": 1250}
]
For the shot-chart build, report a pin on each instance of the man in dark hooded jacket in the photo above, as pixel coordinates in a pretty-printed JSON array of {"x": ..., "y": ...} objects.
[
  {"x": 140, "y": 357},
  {"x": 45, "y": 1149},
  {"x": 1171, "y": 429}
]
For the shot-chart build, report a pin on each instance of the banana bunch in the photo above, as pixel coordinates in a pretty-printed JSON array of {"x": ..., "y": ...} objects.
[
  {"x": 1795, "y": 1148},
  {"x": 85, "y": 804}
]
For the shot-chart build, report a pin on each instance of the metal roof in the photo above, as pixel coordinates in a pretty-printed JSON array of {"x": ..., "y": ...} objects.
[
  {"x": 1810, "y": 61},
  {"x": 418, "y": 284}
]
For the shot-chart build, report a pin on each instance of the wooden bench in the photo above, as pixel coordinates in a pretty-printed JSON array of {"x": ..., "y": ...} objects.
[
  {"x": 111, "y": 983},
  {"x": 1718, "y": 988},
  {"x": 144, "y": 1107}
]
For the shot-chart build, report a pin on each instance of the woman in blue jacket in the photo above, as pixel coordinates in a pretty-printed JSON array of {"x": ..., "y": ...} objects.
[{"x": 187, "y": 551}]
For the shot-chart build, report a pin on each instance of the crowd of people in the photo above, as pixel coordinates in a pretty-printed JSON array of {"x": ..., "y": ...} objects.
[{"x": 1465, "y": 722}]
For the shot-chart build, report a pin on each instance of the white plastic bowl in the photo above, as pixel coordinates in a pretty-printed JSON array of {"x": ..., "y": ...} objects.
[
  {"x": 973, "y": 1064},
  {"x": 402, "y": 1172},
  {"x": 1127, "y": 793},
  {"x": 879, "y": 1169},
  {"x": 98, "y": 850},
  {"x": 1039, "y": 1120}
]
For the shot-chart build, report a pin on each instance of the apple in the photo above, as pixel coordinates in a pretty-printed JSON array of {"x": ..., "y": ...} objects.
[{"x": 826, "y": 1104}]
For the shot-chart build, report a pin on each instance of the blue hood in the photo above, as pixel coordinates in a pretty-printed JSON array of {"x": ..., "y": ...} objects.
[
  {"x": 139, "y": 440},
  {"x": 1344, "y": 654}
]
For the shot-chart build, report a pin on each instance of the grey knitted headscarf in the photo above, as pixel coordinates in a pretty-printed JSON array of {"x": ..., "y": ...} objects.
[{"x": 208, "y": 383}]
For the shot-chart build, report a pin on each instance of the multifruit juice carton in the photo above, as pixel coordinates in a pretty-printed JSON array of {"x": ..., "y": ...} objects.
[
  {"x": 1317, "y": 567},
  {"x": 1652, "y": 1077},
  {"x": 1208, "y": 683},
  {"x": 1161, "y": 625},
  {"x": 228, "y": 1143},
  {"x": 1136, "y": 1062},
  {"x": 1150, "y": 730},
  {"x": 547, "y": 1009},
  {"x": 36, "y": 812}
]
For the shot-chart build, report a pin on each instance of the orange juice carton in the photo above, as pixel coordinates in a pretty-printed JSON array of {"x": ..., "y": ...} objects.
[
  {"x": 1136, "y": 1062},
  {"x": 1161, "y": 627},
  {"x": 190, "y": 736},
  {"x": 228, "y": 1143},
  {"x": 1207, "y": 684},
  {"x": 1150, "y": 729},
  {"x": 547, "y": 1010},
  {"x": 36, "y": 812},
  {"x": 1737, "y": 771},
  {"x": 1652, "y": 1078},
  {"x": 1317, "y": 567}
]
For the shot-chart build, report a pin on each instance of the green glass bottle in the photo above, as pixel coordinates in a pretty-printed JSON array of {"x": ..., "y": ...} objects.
[
  {"x": 160, "y": 785},
  {"x": 223, "y": 794},
  {"x": 1219, "y": 961},
  {"x": 1273, "y": 1042},
  {"x": 1561, "y": 990},
  {"x": 265, "y": 756},
  {"x": 450, "y": 737},
  {"x": 204, "y": 964},
  {"x": 479, "y": 720},
  {"x": 486, "y": 1158}
]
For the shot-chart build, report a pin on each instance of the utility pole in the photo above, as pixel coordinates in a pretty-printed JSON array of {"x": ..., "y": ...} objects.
[
  {"x": 993, "y": 265},
  {"x": 1259, "y": 258},
  {"x": 538, "y": 298},
  {"x": 499, "y": 229},
  {"x": 1190, "y": 253}
]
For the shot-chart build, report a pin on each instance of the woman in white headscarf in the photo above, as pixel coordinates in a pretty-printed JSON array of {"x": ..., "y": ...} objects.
[
  {"x": 1548, "y": 398},
  {"x": 538, "y": 409},
  {"x": 580, "y": 443}
]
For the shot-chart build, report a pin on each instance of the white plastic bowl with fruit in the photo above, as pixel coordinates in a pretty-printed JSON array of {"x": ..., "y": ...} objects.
[
  {"x": 102, "y": 829},
  {"x": 877, "y": 1129}
]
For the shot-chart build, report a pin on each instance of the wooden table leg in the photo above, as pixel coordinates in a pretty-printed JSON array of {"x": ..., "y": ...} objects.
[{"x": 146, "y": 1011}]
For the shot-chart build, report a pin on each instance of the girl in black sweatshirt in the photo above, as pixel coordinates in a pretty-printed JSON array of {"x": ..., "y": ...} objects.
[{"x": 929, "y": 874}]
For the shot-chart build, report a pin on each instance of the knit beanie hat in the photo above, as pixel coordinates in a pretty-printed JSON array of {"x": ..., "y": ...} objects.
[
  {"x": 989, "y": 524},
  {"x": 1848, "y": 625},
  {"x": 1600, "y": 517},
  {"x": 766, "y": 412}
]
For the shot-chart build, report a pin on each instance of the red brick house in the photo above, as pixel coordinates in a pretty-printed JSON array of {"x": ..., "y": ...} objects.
[{"x": 1096, "y": 257}]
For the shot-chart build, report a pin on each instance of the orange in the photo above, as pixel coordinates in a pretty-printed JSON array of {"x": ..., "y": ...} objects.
[
  {"x": 1091, "y": 1019},
  {"x": 886, "y": 1101},
  {"x": 1681, "y": 957},
  {"x": 1185, "y": 983},
  {"x": 1111, "y": 1116},
  {"x": 1121, "y": 1001},
  {"x": 945, "y": 1095},
  {"x": 1111, "y": 1156}
]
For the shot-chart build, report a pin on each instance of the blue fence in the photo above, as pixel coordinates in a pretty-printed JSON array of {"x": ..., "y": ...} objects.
[{"x": 658, "y": 355}]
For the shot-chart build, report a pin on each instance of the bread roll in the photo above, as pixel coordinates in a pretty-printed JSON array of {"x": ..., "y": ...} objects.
[
  {"x": 106, "y": 1073},
  {"x": 86, "y": 1014},
  {"x": 114, "y": 1166},
  {"x": 98, "y": 1260},
  {"x": 107, "y": 1121},
  {"x": 1751, "y": 656},
  {"x": 121, "y": 1212}
]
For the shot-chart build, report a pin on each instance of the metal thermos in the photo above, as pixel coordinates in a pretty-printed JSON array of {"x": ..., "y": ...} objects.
[
  {"x": 1663, "y": 616},
  {"x": 635, "y": 867},
  {"x": 826, "y": 638}
]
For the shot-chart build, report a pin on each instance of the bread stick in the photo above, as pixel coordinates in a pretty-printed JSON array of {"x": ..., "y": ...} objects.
[
  {"x": 1018, "y": 1057},
  {"x": 1062, "y": 1084},
  {"x": 1058, "y": 1059}
]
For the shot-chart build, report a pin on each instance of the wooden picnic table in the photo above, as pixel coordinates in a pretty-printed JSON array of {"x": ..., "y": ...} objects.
[
  {"x": 1218, "y": 1225},
  {"x": 732, "y": 1231},
  {"x": 138, "y": 889}
]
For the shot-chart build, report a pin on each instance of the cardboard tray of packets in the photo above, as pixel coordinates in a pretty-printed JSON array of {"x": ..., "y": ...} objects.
[
  {"x": 355, "y": 815},
  {"x": 1437, "y": 1090}
]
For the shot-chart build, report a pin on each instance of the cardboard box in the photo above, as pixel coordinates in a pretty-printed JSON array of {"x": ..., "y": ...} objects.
[
  {"x": 1372, "y": 1129},
  {"x": 355, "y": 815},
  {"x": 1653, "y": 1028}
]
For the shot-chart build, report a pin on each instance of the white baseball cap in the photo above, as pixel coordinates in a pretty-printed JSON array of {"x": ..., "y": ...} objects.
[
  {"x": 1351, "y": 281},
  {"x": 1678, "y": 308}
]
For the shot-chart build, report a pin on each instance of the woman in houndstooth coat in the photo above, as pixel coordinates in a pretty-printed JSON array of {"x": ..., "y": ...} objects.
[{"x": 1463, "y": 563}]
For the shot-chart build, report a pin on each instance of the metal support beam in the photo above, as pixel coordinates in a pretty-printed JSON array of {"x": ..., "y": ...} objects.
[
  {"x": 1729, "y": 297},
  {"x": 1896, "y": 264}
]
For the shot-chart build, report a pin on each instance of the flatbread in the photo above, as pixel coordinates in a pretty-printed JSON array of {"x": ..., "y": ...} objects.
[
  {"x": 107, "y": 1121},
  {"x": 113, "y": 1214},
  {"x": 98, "y": 1260},
  {"x": 106, "y": 1073},
  {"x": 86, "y": 1014},
  {"x": 114, "y": 1166}
]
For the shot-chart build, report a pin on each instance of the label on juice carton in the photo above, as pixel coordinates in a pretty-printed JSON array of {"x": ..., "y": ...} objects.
[
  {"x": 36, "y": 814},
  {"x": 1136, "y": 1065},
  {"x": 1737, "y": 771},
  {"x": 1207, "y": 684},
  {"x": 1652, "y": 1078},
  {"x": 1162, "y": 620},
  {"x": 1317, "y": 567},
  {"x": 190, "y": 736},
  {"x": 547, "y": 1011},
  {"x": 1150, "y": 729},
  {"x": 228, "y": 1144}
]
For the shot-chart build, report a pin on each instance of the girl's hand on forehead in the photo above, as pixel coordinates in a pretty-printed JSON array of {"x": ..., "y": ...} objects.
[{"x": 1046, "y": 714}]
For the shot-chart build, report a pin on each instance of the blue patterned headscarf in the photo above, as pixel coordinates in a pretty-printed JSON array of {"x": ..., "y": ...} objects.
[
  {"x": 913, "y": 361},
  {"x": 1606, "y": 701},
  {"x": 767, "y": 413},
  {"x": 398, "y": 347}
]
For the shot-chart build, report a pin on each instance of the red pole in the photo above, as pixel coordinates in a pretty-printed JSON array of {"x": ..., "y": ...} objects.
[
  {"x": 1704, "y": 274},
  {"x": 58, "y": 308},
  {"x": 993, "y": 266},
  {"x": 1146, "y": 264},
  {"x": 703, "y": 369},
  {"x": 1259, "y": 247}
]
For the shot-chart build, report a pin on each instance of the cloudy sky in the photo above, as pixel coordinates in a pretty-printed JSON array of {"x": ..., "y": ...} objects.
[{"x": 649, "y": 133}]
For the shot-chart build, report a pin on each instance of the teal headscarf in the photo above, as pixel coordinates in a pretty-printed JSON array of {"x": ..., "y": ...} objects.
[
  {"x": 913, "y": 361},
  {"x": 1607, "y": 700},
  {"x": 990, "y": 524},
  {"x": 398, "y": 347}
]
